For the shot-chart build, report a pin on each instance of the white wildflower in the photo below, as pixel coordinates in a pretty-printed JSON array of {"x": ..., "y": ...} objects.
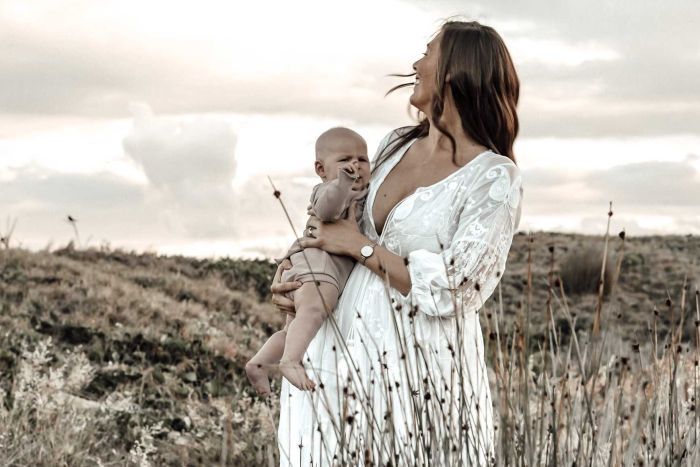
[
  {"x": 143, "y": 447},
  {"x": 120, "y": 402},
  {"x": 81, "y": 372}
]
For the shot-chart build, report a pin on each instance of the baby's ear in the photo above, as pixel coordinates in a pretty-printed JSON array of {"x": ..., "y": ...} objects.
[{"x": 320, "y": 169}]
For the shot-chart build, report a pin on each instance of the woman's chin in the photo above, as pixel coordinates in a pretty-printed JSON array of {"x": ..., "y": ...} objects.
[{"x": 416, "y": 101}]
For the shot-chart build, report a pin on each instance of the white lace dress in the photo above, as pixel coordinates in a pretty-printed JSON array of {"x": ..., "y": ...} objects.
[{"x": 402, "y": 379}]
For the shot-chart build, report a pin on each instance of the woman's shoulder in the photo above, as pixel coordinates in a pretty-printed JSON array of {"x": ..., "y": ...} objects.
[
  {"x": 495, "y": 163},
  {"x": 502, "y": 178},
  {"x": 497, "y": 175}
]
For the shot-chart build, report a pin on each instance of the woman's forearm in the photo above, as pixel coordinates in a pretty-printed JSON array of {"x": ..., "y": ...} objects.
[{"x": 383, "y": 263}]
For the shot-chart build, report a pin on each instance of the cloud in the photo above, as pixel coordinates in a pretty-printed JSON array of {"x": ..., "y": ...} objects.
[
  {"x": 190, "y": 166},
  {"x": 649, "y": 184},
  {"x": 200, "y": 213},
  {"x": 611, "y": 70},
  {"x": 263, "y": 213},
  {"x": 635, "y": 73},
  {"x": 187, "y": 192},
  {"x": 63, "y": 192},
  {"x": 106, "y": 206},
  {"x": 646, "y": 188},
  {"x": 249, "y": 220},
  {"x": 97, "y": 59}
]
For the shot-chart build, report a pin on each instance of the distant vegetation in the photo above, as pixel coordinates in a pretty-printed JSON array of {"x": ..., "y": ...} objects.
[{"x": 115, "y": 358}]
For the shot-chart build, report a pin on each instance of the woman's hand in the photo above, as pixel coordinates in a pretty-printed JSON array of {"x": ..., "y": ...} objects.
[
  {"x": 341, "y": 237},
  {"x": 278, "y": 289}
]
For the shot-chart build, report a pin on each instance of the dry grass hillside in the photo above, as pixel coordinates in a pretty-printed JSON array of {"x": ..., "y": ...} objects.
[{"x": 116, "y": 358}]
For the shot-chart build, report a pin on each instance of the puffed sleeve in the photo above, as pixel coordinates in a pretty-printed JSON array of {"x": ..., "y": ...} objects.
[{"x": 473, "y": 261}]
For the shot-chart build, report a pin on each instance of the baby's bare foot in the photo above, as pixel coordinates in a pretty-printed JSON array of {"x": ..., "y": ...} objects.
[
  {"x": 257, "y": 375},
  {"x": 296, "y": 375}
]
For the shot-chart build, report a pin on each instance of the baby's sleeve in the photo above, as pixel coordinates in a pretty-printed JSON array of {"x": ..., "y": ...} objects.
[{"x": 331, "y": 198}]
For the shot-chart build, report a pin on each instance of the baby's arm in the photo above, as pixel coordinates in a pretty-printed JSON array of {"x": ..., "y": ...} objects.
[
  {"x": 286, "y": 324},
  {"x": 333, "y": 197}
]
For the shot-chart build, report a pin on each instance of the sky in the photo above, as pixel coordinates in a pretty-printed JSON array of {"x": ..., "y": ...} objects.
[{"x": 159, "y": 125}]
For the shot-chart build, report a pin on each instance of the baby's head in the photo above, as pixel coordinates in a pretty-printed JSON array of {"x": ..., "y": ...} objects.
[{"x": 342, "y": 149}]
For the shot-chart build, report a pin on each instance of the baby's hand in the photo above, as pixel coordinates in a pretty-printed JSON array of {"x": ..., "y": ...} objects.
[{"x": 348, "y": 168}]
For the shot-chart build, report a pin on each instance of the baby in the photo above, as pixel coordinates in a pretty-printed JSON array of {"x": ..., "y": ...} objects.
[{"x": 343, "y": 165}]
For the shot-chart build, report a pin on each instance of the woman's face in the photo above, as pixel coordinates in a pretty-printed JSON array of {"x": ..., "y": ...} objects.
[{"x": 426, "y": 69}]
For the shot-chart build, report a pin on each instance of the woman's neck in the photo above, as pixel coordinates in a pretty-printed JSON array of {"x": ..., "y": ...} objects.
[{"x": 438, "y": 143}]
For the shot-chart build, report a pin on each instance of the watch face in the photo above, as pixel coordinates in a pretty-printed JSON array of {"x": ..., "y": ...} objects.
[{"x": 366, "y": 251}]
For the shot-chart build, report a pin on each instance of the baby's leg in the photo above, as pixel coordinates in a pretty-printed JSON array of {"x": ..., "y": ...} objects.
[
  {"x": 258, "y": 367},
  {"x": 310, "y": 315}
]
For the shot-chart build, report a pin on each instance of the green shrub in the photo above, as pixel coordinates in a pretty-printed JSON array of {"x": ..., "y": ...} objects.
[
  {"x": 239, "y": 274},
  {"x": 580, "y": 271}
]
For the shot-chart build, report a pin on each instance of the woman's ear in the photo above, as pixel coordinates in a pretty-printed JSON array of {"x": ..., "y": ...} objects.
[
  {"x": 320, "y": 169},
  {"x": 448, "y": 78}
]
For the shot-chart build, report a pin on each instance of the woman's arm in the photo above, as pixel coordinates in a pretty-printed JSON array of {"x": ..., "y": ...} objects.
[
  {"x": 383, "y": 262},
  {"x": 343, "y": 237}
]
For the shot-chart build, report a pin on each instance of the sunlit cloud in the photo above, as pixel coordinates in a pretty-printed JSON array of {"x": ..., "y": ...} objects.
[{"x": 190, "y": 167}]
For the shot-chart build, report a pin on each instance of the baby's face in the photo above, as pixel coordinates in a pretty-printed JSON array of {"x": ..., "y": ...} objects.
[{"x": 344, "y": 153}]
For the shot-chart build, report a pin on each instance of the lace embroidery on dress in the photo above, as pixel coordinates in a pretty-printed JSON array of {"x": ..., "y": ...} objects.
[{"x": 478, "y": 250}]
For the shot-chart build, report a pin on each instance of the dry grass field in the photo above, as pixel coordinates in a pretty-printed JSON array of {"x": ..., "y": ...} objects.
[{"x": 110, "y": 357}]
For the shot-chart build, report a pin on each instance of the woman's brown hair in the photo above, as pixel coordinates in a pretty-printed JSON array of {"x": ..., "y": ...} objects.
[{"x": 484, "y": 85}]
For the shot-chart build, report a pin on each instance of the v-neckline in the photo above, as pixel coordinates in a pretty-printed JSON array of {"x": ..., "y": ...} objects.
[{"x": 397, "y": 158}]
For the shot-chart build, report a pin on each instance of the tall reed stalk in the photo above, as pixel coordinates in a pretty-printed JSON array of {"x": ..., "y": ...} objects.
[{"x": 582, "y": 401}]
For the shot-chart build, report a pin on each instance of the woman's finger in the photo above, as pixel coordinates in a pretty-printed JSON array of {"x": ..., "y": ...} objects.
[
  {"x": 278, "y": 288},
  {"x": 276, "y": 279},
  {"x": 283, "y": 304},
  {"x": 284, "y": 287},
  {"x": 285, "y": 264},
  {"x": 307, "y": 242},
  {"x": 314, "y": 222}
]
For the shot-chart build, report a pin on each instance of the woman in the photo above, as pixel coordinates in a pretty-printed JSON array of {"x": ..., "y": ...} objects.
[{"x": 399, "y": 365}]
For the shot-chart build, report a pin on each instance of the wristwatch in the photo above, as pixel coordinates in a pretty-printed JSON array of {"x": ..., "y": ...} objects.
[{"x": 366, "y": 251}]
